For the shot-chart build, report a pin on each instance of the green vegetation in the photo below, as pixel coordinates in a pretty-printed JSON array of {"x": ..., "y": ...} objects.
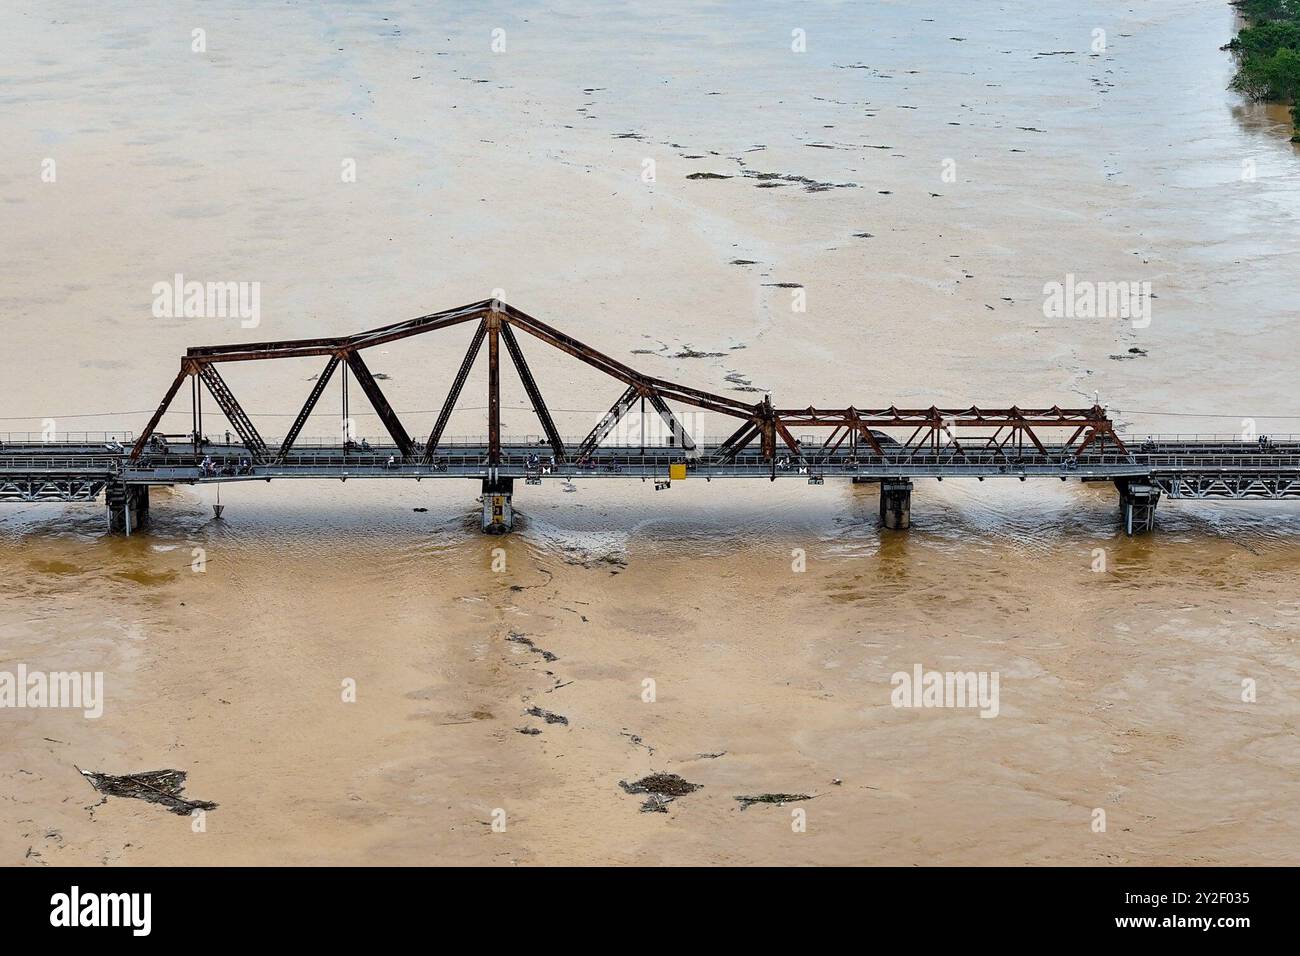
[{"x": 1268, "y": 52}]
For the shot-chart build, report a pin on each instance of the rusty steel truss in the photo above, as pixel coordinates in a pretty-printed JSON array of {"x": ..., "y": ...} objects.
[{"x": 1010, "y": 433}]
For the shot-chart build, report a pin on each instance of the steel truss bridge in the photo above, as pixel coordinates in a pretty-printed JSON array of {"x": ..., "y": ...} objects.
[{"x": 889, "y": 446}]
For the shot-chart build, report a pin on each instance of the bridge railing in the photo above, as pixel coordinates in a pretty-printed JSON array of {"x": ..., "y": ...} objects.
[
  {"x": 1230, "y": 453},
  {"x": 65, "y": 438},
  {"x": 532, "y": 459},
  {"x": 1185, "y": 438},
  {"x": 378, "y": 440},
  {"x": 470, "y": 456},
  {"x": 59, "y": 463}
]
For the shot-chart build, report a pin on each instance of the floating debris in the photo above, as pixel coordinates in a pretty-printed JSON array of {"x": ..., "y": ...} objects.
[
  {"x": 780, "y": 799},
  {"x": 661, "y": 789},
  {"x": 154, "y": 786},
  {"x": 656, "y": 804},
  {"x": 688, "y": 352},
  {"x": 637, "y": 741},
  {"x": 707, "y": 176},
  {"x": 664, "y": 784},
  {"x": 517, "y": 638},
  {"x": 547, "y": 716},
  {"x": 530, "y": 731},
  {"x": 809, "y": 185}
]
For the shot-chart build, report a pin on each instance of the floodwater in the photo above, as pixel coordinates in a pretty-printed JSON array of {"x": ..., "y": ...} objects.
[{"x": 684, "y": 639}]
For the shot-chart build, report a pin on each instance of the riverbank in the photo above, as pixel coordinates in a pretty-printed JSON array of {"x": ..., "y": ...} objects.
[{"x": 1268, "y": 52}]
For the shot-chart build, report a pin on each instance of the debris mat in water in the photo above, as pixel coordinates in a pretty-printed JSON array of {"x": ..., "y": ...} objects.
[
  {"x": 516, "y": 638},
  {"x": 155, "y": 786},
  {"x": 547, "y": 716},
  {"x": 777, "y": 798},
  {"x": 661, "y": 789}
]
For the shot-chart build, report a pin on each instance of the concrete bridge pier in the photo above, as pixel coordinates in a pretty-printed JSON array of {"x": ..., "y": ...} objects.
[
  {"x": 1137, "y": 506},
  {"x": 896, "y": 503},
  {"x": 128, "y": 507},
  {"x": 498, "y": 515}
]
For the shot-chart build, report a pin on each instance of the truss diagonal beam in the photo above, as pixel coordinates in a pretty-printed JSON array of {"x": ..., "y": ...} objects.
[
  {"x": 738, "y": 441},
  {"x": 616, "y": 369},
  {"x": 298, "y": 423},
  {"x": 233, "y": 411},
  {"x": 671, "y": 421},
  {"x": 379, "y": 403},
  {"x": 534, "y": 395},
  {"x": 453, "y": 396},
  {"x": 606, "y": 424},
  {"x": 162, "y": 408},
  {"x": 1025, "y": 429}
]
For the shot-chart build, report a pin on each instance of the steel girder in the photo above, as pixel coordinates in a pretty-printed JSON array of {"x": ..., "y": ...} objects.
[
  {"x": 1010, "y": 432},
  {"x": 1228, "y": 486},
  {"x": 51, "y": 489}
]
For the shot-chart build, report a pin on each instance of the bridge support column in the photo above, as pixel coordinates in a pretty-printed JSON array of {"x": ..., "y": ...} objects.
[
  {"x": 498, "y": 515},
  {"x": 896, "y": 503},
  {"x": 128, "y": 507},
  {"x": 1137, "y": 506}
]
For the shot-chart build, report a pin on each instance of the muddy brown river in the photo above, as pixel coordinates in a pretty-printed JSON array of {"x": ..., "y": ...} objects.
[{"x": 891, "y": 187}]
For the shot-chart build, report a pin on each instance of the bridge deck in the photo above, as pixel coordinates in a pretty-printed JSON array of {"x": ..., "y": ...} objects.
[{"x": 1209, "y": 469}]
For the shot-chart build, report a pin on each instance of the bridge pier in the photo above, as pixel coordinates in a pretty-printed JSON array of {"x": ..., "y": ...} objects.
[
  {"x": 1137, "y": 506},
  {"x": 128, "y": 507},
  {"x": 896, "y": 503},
  {"x": 498, "y": 515}
]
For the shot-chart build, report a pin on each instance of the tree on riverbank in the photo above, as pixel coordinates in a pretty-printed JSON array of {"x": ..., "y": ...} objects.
[{"x": 1268, "y": 54}]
